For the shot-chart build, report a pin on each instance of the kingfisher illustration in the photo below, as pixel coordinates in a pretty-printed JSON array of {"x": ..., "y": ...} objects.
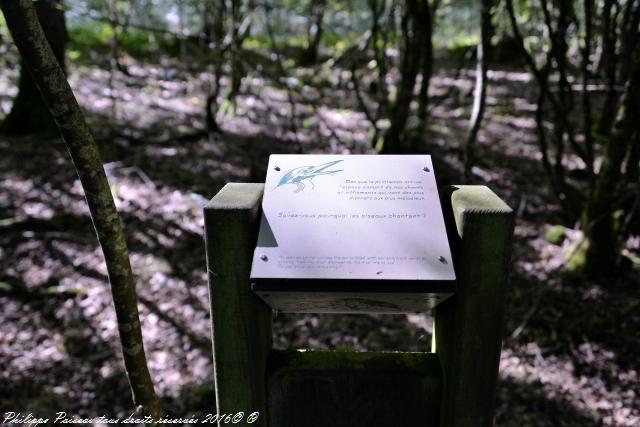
[{"x": 301, "y": 174}]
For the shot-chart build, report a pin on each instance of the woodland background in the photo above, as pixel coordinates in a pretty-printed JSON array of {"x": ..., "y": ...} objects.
[{"x": 537, "y": 99}]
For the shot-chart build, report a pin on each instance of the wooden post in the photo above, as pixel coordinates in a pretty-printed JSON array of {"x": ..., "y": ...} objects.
[
  {"x": 241, "y": 322},
  {"x": 469, "y": 324}
]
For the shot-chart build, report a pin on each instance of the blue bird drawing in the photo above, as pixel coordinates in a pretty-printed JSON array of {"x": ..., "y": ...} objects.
[{"x": 299, "y": 175}]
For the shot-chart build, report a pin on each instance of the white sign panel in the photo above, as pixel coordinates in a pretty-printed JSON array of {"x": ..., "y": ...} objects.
[{"x": 368, "y": 217}]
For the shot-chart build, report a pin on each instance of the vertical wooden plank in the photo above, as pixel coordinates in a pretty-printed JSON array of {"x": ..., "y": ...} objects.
[
  {"x": 350, "y": 389},
  {"x": 468, "y": 325},
  {"x": 241, "y": 322}
]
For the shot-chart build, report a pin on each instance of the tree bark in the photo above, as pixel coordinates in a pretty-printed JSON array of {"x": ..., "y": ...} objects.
[
  {"x": 480, "y": 94},
  {"x": 428, "y": 14},
  {"x": 599, "y": 225},
  {"x": 314, "y": 32},
  {"x": 217, "y": 32},
  {"x": 237, "y": 38},
  {"x": 557, "y": 96},
  {"x": 412, "y": 37},
  {"x": 587, "y": 126},
  {"x": 609, "y": 64},
  {"x": 51, "y": 81},
  {"x": 29, "y": 114}
]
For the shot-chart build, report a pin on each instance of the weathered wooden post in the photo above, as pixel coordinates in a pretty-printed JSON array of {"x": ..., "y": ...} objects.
[
  {"x": 468, "y": 325},
  {"x": 241, "y": 322},
  {"x": 454, "y": 387}
]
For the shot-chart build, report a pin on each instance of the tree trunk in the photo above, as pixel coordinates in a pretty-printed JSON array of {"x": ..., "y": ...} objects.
[
  {"x": 427, "y": 67},
  {"x": 608, "y": 63},
  {"x": 29, "y": 113},
  {"x": 314, "y": 32},
  {"x": 218, "y": 33},
  {"x": 480, "y": 94},
  {"x": 45, "y": 70},
  {"x": 555, "y": 95},
  {"x": 412, "y": 38},
  {"x": 587, "y": 126},
  {"x": 599, "y": 224},
  {"x": 236, "y": 65}
]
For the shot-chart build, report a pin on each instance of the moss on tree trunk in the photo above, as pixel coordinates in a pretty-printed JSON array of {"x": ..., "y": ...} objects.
[{"x": 601, "y": 221}]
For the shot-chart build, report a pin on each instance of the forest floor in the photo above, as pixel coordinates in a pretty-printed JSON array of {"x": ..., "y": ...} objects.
[{"x": 569, "y": 357}]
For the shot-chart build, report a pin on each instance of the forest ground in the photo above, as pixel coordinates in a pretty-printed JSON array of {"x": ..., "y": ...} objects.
[{"x": 569, "y": 357}]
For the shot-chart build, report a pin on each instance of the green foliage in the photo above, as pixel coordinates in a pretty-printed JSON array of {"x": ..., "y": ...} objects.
[
  {"x": 90, "y": 37},
  {"x": 458, "y": 48},
  {"x": 135, "y": 41},
  {"x": 456, "y": 25},
  {"x": 97, "y": 37},
  {"x": 331, "y": 39}
]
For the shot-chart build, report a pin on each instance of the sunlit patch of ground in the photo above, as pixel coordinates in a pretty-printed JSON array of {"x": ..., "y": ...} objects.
[
  {"x": 582, "y": 379},
  {"x": 58, "y": 342}
]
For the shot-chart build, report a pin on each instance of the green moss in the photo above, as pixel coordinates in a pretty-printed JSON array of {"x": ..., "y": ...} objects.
[
  {"x": 576, "y": 258},
  {"x": 555, "y": 234}
]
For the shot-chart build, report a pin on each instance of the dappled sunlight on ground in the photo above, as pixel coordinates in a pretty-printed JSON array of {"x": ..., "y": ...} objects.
[
  {"x": 588, "y": 380},
  {"x": 59, "y": 337}
]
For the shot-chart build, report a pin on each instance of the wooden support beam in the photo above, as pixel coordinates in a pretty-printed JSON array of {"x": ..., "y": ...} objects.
[
  {"x": 344, "y": 388},
  {"x": 468, "y": 325},
  {"x": 456, "y": 385},
  {"x": 241, "y": 322}
]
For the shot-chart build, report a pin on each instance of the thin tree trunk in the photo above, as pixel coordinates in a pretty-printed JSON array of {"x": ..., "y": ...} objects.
[
  {"x": 236, "y": 64},
  {"x": 207, "y": 31},
  {"x": 29, "y": 114},
  {"x": 281, "y": 80},
  {"x": 378, "y": 42},
  {"x": 559, "y": 101},
  {"x": 220, "y": 14},
  {"x": 480, "y": 94},
  {"x": 428, "y": 14},
  {"x": 587, "y": 126},
  {"x": 181, "y": 38},
  {"x": 609, "y": 64},
  {"x": 632, "y": 164},
  {"x": 629, "y": 36},
  {"x": 114, "y": 48},
  {"x": 314, "y": 32},
  {"x": 218, "y": 33},
  {"x": 58, "y": 96},
  {"x": 412, "y": 31}
]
